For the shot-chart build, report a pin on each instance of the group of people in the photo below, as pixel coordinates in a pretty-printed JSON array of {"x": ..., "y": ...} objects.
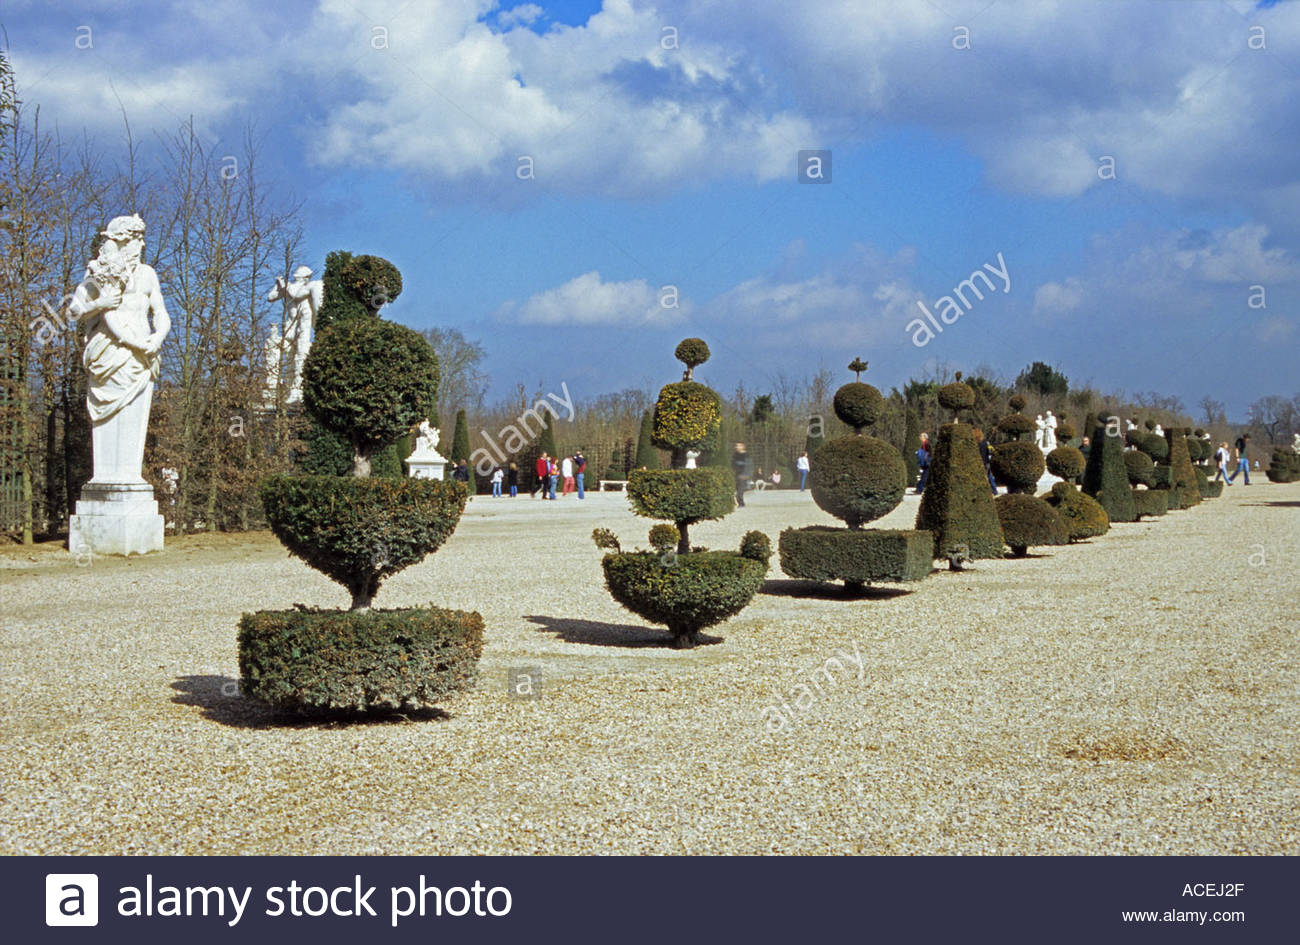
[
  {"x": 1222, "y": 457},
  {"x": 748, "y": 477},
  {"x": 570, "y": 471}
]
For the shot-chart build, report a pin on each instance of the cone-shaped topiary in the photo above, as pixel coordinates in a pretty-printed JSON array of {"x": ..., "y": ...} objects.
[
  {"x": 856, "y": 478},
  {"x": 1083, "y": 515},
  {"x": 684, "y": 589},
  {"x": 1105, "y": 478},
  {"x": 1028, "y": 521},
  {"x": 647, "y": 457},
  {"x": 957, "y": 505},
  {"x": 1018, "y": 465},
  {"x": 1183, "y": 474},
  {"x": 1066, "y": 462},
  {"x": 1141, "y": 470}
]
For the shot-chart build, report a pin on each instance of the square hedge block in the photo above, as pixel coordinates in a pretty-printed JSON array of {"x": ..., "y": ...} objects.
[
  {"x": 856, "y": 556},
  {"x": 1151, "y": 501}
]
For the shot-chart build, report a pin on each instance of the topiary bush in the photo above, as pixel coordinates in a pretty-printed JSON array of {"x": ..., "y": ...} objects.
[
  {"x": 957, "y": 396},
  {"x": 1150, "y": 502},
  {"x": 686, "y": 416},
  {"x": 957, "y": 506},
  {"x": 1105, "y": 478},
  {"x": 1157, "y": 447},
  {"x": 1082, "y": 514},
  {"x": 856, "y": 478},
  {"x": 692, "y": 352},
  {"x": 1015, "y": 426},
  {"x": 1018, "y": 465},
  {"x": 682, "y": 496},
  {"x": 372, "y": 280},
  {"x": 321, "y": 661},
  {"x": 1066, "y": 462},
  {"x": 1028, "y": 521},
  {"x": 1065, "y": 432},
  {"x": 664, "y": 537},
  {"x": 1283, "y": 465},
  {"x": 1141, "y": 470},
  {"x": 1214, "y": 489},
  {"x": 756, "y": 546},
  {"x": 1182, "y": 472}
]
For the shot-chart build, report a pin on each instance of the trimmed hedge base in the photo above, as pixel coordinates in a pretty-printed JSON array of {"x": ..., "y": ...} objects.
[
  {"x": 321, "y": 661},
  {"x": 1150, "y": 502},
  {"x": 686, "y": 593},
  {"x": 856, "y": 556},
  {"x": 1213, "y": 489}
]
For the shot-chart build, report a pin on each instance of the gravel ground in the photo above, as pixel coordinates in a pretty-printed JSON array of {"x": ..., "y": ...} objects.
[{"x": 1133, "y": 694}]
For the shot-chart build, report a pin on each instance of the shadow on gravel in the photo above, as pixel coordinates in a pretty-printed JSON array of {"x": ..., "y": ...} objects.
[
  {"x": 595, "y": 633},
  {"x": 820, "y": 591},
  {"x": 1276, "y": 505},
  {"x": 220, "y": 700}
]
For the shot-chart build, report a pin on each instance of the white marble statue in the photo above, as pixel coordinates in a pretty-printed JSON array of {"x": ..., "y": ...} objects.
[
  {"x": 424, "y": 461},
  {"x": 691, "y": 457},
  {"x": 1159, "y": 430},
  {"x": 117, "y": 513},
  {"x": 1040, "y": 432},
  {"x": 302, "y": 300},
  {"x": 1130, "y": 425},
  {"x": 1295, "y": 443},
  {"x": 1049, "y": 433}
]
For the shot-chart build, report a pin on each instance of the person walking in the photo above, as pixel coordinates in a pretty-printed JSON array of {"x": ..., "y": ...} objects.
[
  {"x": 512, "y": 480},
  {"x": 923, "y": 461},
  {"x": 580, "y": 472},
  {"x": 552, "y": 474},
  {"x": 743, "y": 470},
  {"x": 803, "y": 466},
  {"x": 566, "y": 470},
  {"x": 988, "y": 460},
  {"x": 498, "y": 475},
  {"x": 1221, "y": 457},
  {"x": 543, "y": 471},
  {"x": 1243, "y": 464}
]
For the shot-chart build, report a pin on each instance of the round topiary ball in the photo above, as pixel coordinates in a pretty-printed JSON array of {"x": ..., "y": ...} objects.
[
  {"x": 1017, "y": 402},
  {"x": 756, "y": 546},
  {"x": 373, "y": 280},
  {"x": 1015, "y": 425},
  {"x": 957, "y": 396},
  {"x": 687, "y": 415},
  {"x": 1157, "y": 447},
  {"x": 692, "y": 352},
  {"x": 664, "y": 537},
  {"x": 1065, "y": 430},
  {"x": 858, "y": 404},
  {"x": 1066, "y": 462},
  {"x": 1083, "y": 515},
  {"x": 858, "y": 478},
  {"x": 1028, "y": 521},
  {"x": 1141, "y": 470},
  {"x": 1018, "y": 465}
]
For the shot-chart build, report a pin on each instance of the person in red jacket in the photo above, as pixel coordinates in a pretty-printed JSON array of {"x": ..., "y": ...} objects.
[{"x": 543, "y": 473}]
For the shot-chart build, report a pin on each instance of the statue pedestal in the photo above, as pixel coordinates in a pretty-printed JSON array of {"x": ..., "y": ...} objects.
[
  {"x": 116, "y": 518},
  {"x": 426, "y": 466}
]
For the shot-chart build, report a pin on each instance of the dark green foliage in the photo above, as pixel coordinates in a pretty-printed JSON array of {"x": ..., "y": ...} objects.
[
  {"x": 1089, "y": 424},
  {"x": 546, "y": 442},
  {"x": 460, "y": 446},
  {"x": 1065, "y": 432},
  {"x": 957, "y": 506},
  {"x": 1182, "y": 470},
  {"x": 664, "y": 537},
  {"x": 340, "y": 304},
  {"x": 858, "y": 478},
  {"x": 372, "y": 280},
  {"x": 647, "y": 457},
  {"x": 686, "y": 416},
  {"x": 605, "y": 539},
  {"x": 1015, "y": 425},
  {"x": 1214, "y": 489},
  {"x": 1043, "y": 379},
  {"x": 1028, "y": 521},
  {"x": 1149, "y": 424},
  {"x": 1150, "y": 502},
  {"x": 1157, "y": 447},
  {"x": 1284, "y": 465},
  {"x": 692, "y": 352},
  {"x": 757, "y": 546},
  {"x": 858, "y": 405},
  {"x": 685, "y": 592},
  {"x": 1066, "y": 462},
  {"x": 387, "y": 463},
  {"x": 857, "y": 366},
  {"x": 956, "y": 396},
  {"x": 1198, "y": 449},
  {"x": 856, "y": 556},
  {"x": 1018, "y": 465},
  {"x": 369, "y": 381},
  {"x": 327, "y": 454},
  {"x": 682, "y": 496},
  {"x": 360, "y": 531},
  {"x": 323, "y": 661},
  {"x": 1082, "y": 514},
  {"x": 1141, "y": 471},
  {"x": 1017, "y": 402},
  {"x": 911, "y": 443},
  {"x": 1106, "y": 476}
]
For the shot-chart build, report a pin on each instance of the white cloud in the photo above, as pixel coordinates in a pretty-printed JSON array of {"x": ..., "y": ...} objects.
[
  {"x": 1055, "y": 299},
  {"x": 587, "y": 300},
  {"x": 523, "y": 14}
]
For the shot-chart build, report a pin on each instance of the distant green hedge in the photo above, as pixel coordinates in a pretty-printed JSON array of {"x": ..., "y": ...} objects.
[{"x": 319, "y": 661}]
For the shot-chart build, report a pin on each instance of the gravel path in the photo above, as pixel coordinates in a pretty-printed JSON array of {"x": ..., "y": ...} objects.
[{"x": 1134, "y": 694}]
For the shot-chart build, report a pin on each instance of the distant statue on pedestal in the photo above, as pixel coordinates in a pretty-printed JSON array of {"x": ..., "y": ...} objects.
[
  {"x": 424, "y": 462},
  {"x": 1049, "y": 433},
  {"x": 302, "y": 297},
  {"x": 691, "y": 457},
  {"x": 1295, "y": 443},
  {"x": 1040, "y": 431},
  {"x": 1159, "y": 430},
  {"x": 117, "y": 513}
]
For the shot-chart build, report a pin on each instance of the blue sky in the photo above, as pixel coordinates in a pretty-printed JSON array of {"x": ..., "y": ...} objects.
[{"x": 663, "y": 141}]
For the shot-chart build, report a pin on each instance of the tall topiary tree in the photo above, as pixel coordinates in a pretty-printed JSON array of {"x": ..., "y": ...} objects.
[
  {"x": 367, "y": 381},
  {"x": 647, "y": 457},
  {"x": 460, "y": 446},
  {"x": 686, "y": 589},
  {"x": 1182, "y": 474},
  {"x": 1105, "y": 478},
  {"x": 857, "y": 478},
  {"x": 957, "y": 506},
  {"x": 1017, "y": 464}
]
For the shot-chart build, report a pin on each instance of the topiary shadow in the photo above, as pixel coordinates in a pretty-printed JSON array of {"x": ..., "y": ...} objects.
[
  {"x": 819, "y": 590},
  {"x": 221, "y": 701},
  {"x": 598, "y": 633}
]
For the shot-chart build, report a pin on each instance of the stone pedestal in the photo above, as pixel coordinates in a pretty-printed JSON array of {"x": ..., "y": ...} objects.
[
  {"x": 426, "y": 466},
  {"x": 116, "y": 518}
]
